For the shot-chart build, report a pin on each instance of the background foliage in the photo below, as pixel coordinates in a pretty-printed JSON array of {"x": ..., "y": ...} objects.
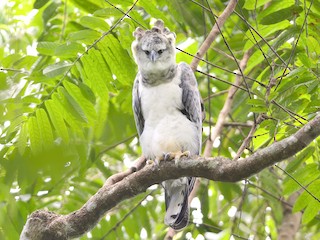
[{"x": 66, "y": 73}]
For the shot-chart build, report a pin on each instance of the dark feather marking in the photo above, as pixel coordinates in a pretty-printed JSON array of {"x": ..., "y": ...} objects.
[{"x": 136, "y": 102}]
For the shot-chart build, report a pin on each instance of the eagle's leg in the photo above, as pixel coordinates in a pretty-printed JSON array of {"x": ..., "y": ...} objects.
[
  {"x": 176, "y": 155},
  {"x": 155, "y": 161}
]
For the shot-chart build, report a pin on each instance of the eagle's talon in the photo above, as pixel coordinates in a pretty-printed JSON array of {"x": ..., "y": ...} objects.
[
  {"x": 149, "y": 161},
  {"x": 175, "y": 155},
  {"x": 185, "y": 154},
  {"x": 168, "y": 156}
]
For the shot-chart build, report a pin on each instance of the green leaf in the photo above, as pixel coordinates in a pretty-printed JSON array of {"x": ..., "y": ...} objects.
[
  {"x": 304, "y": 155},
  {"x": 311, "y": 205},
  {"x": 23, "y": 138},
  {"x": 87, "y": 92},
  {"x": 9, "y": 60},
  {"x": 71, "y": 105},
  {"x": 94, "y": 23},
  {"x": 69, "y": 50},
  {"x": 284, "y": 37},
  {"x": 39, "y": 3},
  {"x": 270, "y": 183},
  {"x": 117, "y": 57},
  {"x": 3, "y": 81},
  {"x": 255, "y": 59},
  {"x": 264, "y": 31},
  {"x": 56, "y": 116},
  {"x": 150, "y": 7},
  {"x": 15, "y": 123},
  {"x": 108, "y": 12},
  {"x": 303, "y": 175},
  {"x": 57, "y": 69},
  {"x": 88, "y": 6},
  {"x": 311, "y": 210},
  {"x": 34, "y": 135},
  {"x": 49, "y": 12},
  {"x": 102, "y": 112},
  {"x": 313, "y": 45},
  {"x": 68, "y": 113},
  {"x": 84, "y": 103},
  {"x": 87, "y": 36},
  {"x": 228, "y": 190},
  {"x": 259, "y": 109},
  {"x": 25, "y": 62},
  {"x": 254, "y": 4},
  {"x": 95, "y": 73},
  {"x": 45, "y": 128},
  {"x": 304, "y": 60},
  {"x": 275, "y": 6},
  {"x": 256, "y": 102},
  {"x": 281, "y": 15}
]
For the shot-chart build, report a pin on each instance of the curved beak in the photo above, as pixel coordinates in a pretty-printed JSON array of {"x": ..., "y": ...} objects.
[{"x": 154, "y": 56}]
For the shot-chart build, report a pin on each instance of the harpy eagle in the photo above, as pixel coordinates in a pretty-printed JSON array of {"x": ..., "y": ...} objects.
[{"x": 168, "y": 112}]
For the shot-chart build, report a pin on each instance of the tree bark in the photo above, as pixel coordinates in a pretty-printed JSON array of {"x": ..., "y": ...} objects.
[
  {"x": 291, "y": 221},
  {"x": 44, "y": 225}
]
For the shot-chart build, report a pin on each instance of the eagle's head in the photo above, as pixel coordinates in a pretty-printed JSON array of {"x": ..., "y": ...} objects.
[{"x": 154, "y": 50}]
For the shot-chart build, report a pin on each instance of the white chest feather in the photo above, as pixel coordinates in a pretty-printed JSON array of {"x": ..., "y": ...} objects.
[{"x": 166, "y": 129}]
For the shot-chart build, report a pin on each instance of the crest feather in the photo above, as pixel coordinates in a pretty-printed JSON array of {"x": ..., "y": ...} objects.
[{"x": 158, "y": 28}]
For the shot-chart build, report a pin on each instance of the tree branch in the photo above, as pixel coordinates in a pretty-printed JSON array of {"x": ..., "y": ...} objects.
[
  {"x": 44, "y": 225},
  {"x": 213, "y": 33},
  {"x": 291, "y": 221}
]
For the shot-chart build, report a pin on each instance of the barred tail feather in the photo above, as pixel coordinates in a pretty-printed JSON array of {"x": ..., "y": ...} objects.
[{"x": 176, "y": 197}]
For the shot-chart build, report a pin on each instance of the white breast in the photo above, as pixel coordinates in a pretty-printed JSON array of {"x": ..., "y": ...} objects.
[{"x": 166, "y": 129}]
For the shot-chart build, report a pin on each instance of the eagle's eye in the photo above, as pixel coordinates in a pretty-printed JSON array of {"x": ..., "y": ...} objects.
[
  {"x": 147, "y": 52},
  {"x": 160, "y": 51}
]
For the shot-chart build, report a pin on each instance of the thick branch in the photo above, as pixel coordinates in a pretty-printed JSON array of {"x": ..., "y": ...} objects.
[{"x": 43, "y": 225}]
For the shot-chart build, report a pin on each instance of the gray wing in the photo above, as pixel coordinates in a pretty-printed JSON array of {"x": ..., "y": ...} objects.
[
  {"x": 192, "y": 103},
  {"x": 136, "y": 105}
]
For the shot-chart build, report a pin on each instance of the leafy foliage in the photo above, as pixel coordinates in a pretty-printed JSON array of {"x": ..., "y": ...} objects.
[{"x": 66, "y": 72}]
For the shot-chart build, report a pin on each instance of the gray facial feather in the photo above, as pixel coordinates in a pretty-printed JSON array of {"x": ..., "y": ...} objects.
[{"x": 154, "y": 53}]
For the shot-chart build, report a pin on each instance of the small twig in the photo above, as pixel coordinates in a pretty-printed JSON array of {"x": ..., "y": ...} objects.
[
  {"x": 223, "y": 53},
  {"x": 219, "y": 67},
  {"x": 257, "y": 43},
  {"x": 213, "y": 95},
  {"x": 247, "y": 140},
  {"x": 116, "y": 144},
  {"x": 224, "y": 81},
  {"x": 292, "y": 114},
  {"x": 14, "y": 70},
  {"x": 139, "y": 164},
  {"x": 125, "y": 13},
  {"x": 239, "y": 208},
  {"x": 263, "y": 39},
  {"x": 280, "y": 199},
  {"x": 233, "y": 124}
]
